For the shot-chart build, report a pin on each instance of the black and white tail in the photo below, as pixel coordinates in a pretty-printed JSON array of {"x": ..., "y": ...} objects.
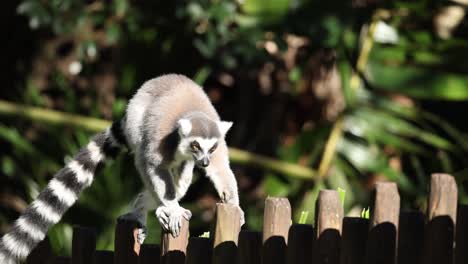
[{"x": 59, "y": 195}]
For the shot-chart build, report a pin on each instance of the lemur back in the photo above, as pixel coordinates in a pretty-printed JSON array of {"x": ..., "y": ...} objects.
[{"x": 160, "y": 103}]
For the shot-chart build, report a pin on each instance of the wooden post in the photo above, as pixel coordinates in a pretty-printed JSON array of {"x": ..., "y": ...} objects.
[
  {"x": 382, "y": 240},
  {"x": 276, "y": 223},
  {"x": 149, "y": 254},
  {"x": 461, "y": 250},
  {"x": 173, "y": 249},
  {"x": 441, "y": 213},
  {"x": 300, "y": 244},
  {"x": 103, "y": 257},
  {"x": 250, "y": 244},
  {"x": 126, "y": 246},
  {"x": 199, "y": 250},
  {"x": 354, "y": 240},
  {"x": 410, "y": 237},
  {"x": 83, "y": 245},
  {"x": 41, "y": 254},
  {"x": 226, "y": 233},
  {"x": 328, "y": 221}
]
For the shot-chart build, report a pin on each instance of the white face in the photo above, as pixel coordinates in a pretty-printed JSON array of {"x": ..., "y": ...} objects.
[{"x": 199, "y": 148}]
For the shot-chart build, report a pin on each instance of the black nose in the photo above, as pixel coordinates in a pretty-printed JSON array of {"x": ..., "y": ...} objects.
[{"x": 205, "y": 162}]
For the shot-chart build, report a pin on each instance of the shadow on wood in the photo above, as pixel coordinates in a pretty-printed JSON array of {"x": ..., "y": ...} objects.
[
  {"x": 199, "y": 250},
  {"x": 83, "y": 245},
  {"x": 126, "y": 246},
  {"x": 381, "y": 244},
  {"x": 149, "y": 254},
  {"x": 327, "y": 247},
  {"x": 225, "y": 252},
  {"x": 410, "y": 237},
  {"x": 354, "y": 240},
  {"x": 103, "y": 257},
  {"x": 173, "y": 257},
  {"x": 438, "y": 240},
  {"x": 250, "y": 244},
  {"x": 42, "y": 254},
  {"x": 61, "y": 260},
  {"x": 461, "y": 250},
  {"x": 274, "y": 250},
  {"x": 300, "y": 244}
]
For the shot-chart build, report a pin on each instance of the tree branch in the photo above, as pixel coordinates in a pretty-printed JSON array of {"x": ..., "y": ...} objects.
[{"x": 237, "y": 156}]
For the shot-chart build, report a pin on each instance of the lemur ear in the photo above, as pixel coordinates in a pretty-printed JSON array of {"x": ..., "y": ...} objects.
[
  {"x": 224, "y": 126},
  {"x": 185, "y": 126}
]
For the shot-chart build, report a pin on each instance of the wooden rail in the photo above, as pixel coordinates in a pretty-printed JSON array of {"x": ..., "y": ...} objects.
[{"x": 389, "y": 236}]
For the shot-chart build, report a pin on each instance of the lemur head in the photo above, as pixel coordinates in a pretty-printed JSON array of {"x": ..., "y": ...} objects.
[{"x": 199, "y": 138}]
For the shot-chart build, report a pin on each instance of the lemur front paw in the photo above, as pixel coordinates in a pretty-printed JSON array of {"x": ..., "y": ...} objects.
[
  {"x": 231, "y": 197},
  {"x": 170, "y": 218},
  {"x": 142, "y": 230}
]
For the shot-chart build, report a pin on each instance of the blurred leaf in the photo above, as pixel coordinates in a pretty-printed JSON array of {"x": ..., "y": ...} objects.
[
  {"x": 268, "y": 11},
  {"x": 20, "y": 144},
  {"x": 8, "y": 166},
  {"x": 303, "y": 218},
  {"x": 418, "y": 82},
  {"x": 201, "y": 76},
  {"x": 342, "y": 194},
  {"x": 273, "y": 186}
]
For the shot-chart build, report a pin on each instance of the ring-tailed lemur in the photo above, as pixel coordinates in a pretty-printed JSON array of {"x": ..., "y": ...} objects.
[{"x": 172, "y": 127}]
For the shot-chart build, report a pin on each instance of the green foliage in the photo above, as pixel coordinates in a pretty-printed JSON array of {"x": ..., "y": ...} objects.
[
  {"x": 400, "y": 120},
  {"x": 342, "y": 194},
  {"x": 205, "y": 234},
  {"x": 303, "y": 218},
  {"x": 365, "y": 213}
]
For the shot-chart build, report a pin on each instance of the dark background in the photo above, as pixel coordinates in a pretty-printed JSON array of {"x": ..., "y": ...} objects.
[{"x": 287, "y": 72}]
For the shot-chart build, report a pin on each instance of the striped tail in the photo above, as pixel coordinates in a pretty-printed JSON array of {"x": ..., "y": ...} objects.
[{"x": 59, "y": 195}]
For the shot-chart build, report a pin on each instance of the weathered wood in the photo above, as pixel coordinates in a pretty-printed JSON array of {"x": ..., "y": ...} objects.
[
  {"x": 441, "y": 213},
  {"x": 199, "y": 251},
  {"x": 276, "y": 223},
  {"x": 42, "y": 254},
  {"x": 126, "y": 246},
  {"x": 173, "y": 249},
  {"x": 83, "y": 245},
  {"x": 300, "y": 244},
  {"x": 410, "y": 237},
  {"x": 354, "y": 240},
  {"x": 328, "y": 220},
  {"x": 250, "y": 244},
  {"x": 382, "y": 239},
  {"x": 149, "y": 254},
  {"x": 103, "y": 257},
  {"x": 461, "y": 250},
  {"x": 226, "y": 233},
  {"x": 443, "y": 197}
]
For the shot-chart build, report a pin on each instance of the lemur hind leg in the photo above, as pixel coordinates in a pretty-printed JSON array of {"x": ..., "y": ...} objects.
[{"x": 143, "y": 203}]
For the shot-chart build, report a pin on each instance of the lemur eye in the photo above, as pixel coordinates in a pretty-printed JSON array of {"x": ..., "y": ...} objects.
[
  {"x": 195, "y": 146},
  {"x": 212, "y": 149}
]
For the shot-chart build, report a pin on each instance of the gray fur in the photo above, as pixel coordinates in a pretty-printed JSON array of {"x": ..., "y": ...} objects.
[{"x": 164, "y": 158}]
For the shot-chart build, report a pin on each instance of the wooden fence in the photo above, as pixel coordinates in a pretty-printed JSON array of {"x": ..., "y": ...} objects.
[{"x": 390, "y": 235}]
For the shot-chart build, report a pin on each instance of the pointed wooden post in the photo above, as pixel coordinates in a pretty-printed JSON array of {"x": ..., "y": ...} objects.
[
  {"x": 226, "y": 233},
  {"x": 328, "y": 221},
  {"x": 83, "y": 245},
  {"x": 126, "y": 246},
  {"x": 173, "y": 249},
  {"x": 442, "y": 217},
  {"x": 276, "y": 224},
  {"x": 382, "y": 240}
]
